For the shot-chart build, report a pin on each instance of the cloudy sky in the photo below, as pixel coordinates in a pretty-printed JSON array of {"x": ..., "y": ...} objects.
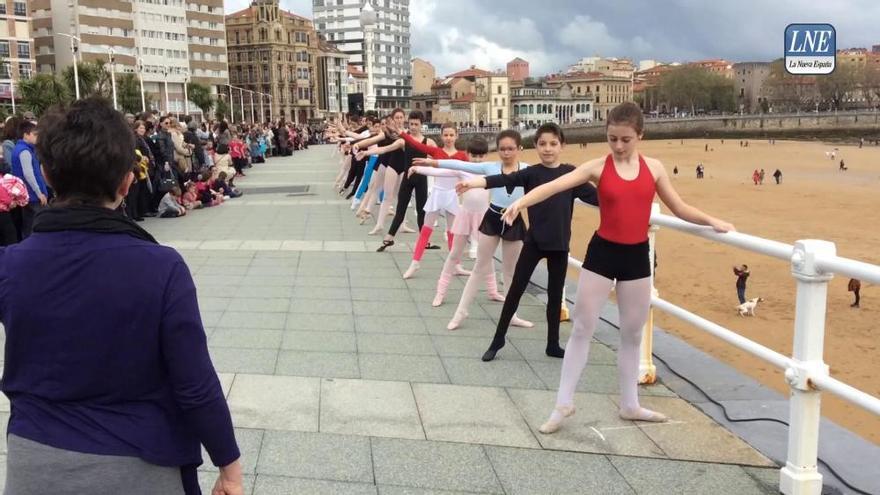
[{"x": 552, "y": 34}]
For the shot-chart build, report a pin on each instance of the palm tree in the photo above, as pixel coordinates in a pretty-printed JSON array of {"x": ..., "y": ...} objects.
[
  {"x": 41, "y": 92},
  {"x": 221, "y": 109}
]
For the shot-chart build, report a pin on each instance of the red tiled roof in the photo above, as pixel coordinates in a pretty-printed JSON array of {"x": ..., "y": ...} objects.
[
  {"x": 464, "y": 98},
  {"x": 355, "y": 72},
  {"x": 472, "y": 72}
]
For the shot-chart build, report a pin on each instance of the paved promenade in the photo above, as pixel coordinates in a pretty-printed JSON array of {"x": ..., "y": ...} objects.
[{"x": 343, "y": 379}]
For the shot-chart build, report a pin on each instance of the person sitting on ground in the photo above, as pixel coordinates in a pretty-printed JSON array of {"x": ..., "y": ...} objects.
[
  {"x": 107, "y": 367},
  {"x": 190, "y": 199},
  {"x": 169, "y": 206},
  {"x": 207, "y": 195},
  {"x": 228, "y": 190}
]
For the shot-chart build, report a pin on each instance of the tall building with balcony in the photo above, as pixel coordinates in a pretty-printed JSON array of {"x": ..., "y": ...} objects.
[
  {"x": 339, "y": 22},
  {"x": 274, "y": 52},
  {"x": 167, "y": 41},
  {"x": 16, "y": 46}
]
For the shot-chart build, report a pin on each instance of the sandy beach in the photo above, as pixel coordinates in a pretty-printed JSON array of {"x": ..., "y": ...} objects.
[{"x": 815, "y": 200}]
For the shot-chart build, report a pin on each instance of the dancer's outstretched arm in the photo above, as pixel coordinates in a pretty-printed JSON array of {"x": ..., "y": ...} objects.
[
  {"x": 439, "y": 172},
  {"x": 678, "y": 207},
  {"x": 381, "y": 150}
]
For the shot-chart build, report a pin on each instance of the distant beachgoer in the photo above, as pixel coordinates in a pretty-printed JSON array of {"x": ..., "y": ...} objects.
[
  {"x": 756, "y": 176},
  {"x": 842, "y": 167},
  {"x": 742, "y": 273},
  {"x": 707, "y": 147},
  {"x": 854, "y": 286},
  {"x": 761, "y": 177},
  {"x": 778, "y": 176},
  {"x": 675, "y": 170}
]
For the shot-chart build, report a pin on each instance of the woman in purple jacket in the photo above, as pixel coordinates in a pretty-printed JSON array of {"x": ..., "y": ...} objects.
[{"x": 106, "y": 363}]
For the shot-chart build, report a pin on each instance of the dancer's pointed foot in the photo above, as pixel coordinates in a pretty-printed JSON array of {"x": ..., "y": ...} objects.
[
  {"x": 496, "y": 296},
  {"x": 460, "y": 271},
  {"x": 490, "y": 353},
  {"x": 385, "y": 245},
  {"x": 456, "y": 320},
  {"x": 438, "y": 299},
  {"x": 406, "y": 229},
  {"x": 376, "y": 230},
  {"x": 642, "y": 414},
  {"x": 519, "y": 322},
  {"x": 556, "y": 417},
  {"x": 413, "y": 268}
]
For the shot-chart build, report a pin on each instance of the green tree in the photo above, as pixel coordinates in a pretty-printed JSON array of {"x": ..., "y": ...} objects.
[
  {"x": 201, "y": 96},
  {"x": 128, "y": 93},
  {"x": 42, "y": 92},
  {"x": 221, "y": 109},
  {"x": 838, "y": 86},
  {"x": 685, "y": 88},
  {"x": 94, "y": 79}
]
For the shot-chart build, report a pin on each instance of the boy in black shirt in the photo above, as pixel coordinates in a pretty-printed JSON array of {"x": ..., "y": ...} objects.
[{"x": 548, "y": 235}]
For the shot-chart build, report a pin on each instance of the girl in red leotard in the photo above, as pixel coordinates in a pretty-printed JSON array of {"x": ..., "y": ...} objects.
[{"x": 626, "y": 182}]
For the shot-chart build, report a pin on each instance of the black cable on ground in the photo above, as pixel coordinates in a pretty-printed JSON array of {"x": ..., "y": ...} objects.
[{"x": 724, "y": 409}]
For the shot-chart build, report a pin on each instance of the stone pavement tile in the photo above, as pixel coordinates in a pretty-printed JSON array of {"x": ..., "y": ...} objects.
[
  {"x": 310, "y": 268},
  {"x": 300, "y": 245},
  {"x": 385, "y": 308},
  {"x": 320, "y": 322},
  {"x": 324, "y": 306},
  {"x": 456, "y": 345},
  {"x": 208, "y": 478},
  {"x": 321, "y": 259},
  {"x": 215, "y": 270},
  {"x": 469, "y": 327},
  {"x": 378, "y": 282},
  {"x": 426, "y": 369},
  {"x": 280, "y": 485},
  {"x": 369, "y": 408},
  {"x": 320, "y": 281},
  {"x": 406, "y": 490},
  {"x": 235, "y": 360},
  {"x": 285, "y": 271},
  {"x": 275, "y": 402},
  {"x": 342, "y": 246},
  {"x": 390, "y": 325},
  {"x": 249, "y": 442},
  {"x": 263, "y": 292},
  {"x": 319, "y": 341},
  {"x": 291, "y": 261},
  {"x": 222, "y": 261},
  {"x": 693, "y": 436},
  {"x": 409, "y": 345},
  {"x": 596, "y": 378},
  {"x": 322, "y": 456},
  {"x": 259, "y": 304},
  {"x": 475, "y": 312},
  {"x": 182, "y": 245},
  {"x": 480, "y": 415},
  {"x": 223, "y": 253},
  {"x": 246, "y": 338},
  {"x": 381, "y": 295},
  {"x": 533, "y": 350},
  {"x": 433, "y": 465},
  {"x": 303, "y": 292},
  {"x": 226, "y": 380},
  {"x": 768, "y": 478},
  {"x": 220, "y": 245},
  {"x": 648, "y": 476},
  {"x": 229, "y": 281},
  {"x": 322, "y": 364},
  {"x": 595, "y": 427},
  {"x": 211, "y": 303},
  {"x": 250, "y": 319},
  {"x": 268, "y": 281},
  {"x": 261, "y": 245},
  {"x": 535, "y": 471},
  {"x": 498, "y": 373}
]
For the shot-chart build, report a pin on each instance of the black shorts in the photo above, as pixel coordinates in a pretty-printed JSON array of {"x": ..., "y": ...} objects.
[
  {"x": 615, "y": 261},
  {"x": 494, "y": 226}
]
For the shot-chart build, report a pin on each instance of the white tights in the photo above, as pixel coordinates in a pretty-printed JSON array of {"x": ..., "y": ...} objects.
[
  {"x": 391, "y": 185},
  {"x": 633, "y": 303},
  {"x": 485, "y": 265}
]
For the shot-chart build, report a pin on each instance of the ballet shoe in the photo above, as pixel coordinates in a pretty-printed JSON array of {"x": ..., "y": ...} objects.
[
  {"x": 490, "y": 353},
  {"x": 564, "y": 315},
  {"x": 376, "y": 230},
  {"x": 555, "y": 351},
  {"x": 413, "y": 268},
  {"x": 438, "y": 299},
  {"x": 496, "y": 296},
  {"x": 460, "y": 271},
  {"x": 406, "y": 229},
  {"x": 456, "y": 320},
  {"x": 643, "y": 414},
  {"x": 552, "y": 426},
  {"x": 519, "y": 322},
  {"x": 364, "y": 217}
]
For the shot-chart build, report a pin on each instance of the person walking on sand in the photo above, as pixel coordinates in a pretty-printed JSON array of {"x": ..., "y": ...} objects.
[
  {"x": 778, "y": 176},
  {"x": 742, "y": 273},
  {"x": 854, "y": 286}
]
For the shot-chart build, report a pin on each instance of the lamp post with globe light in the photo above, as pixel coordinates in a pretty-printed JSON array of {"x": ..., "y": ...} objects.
[{"x": 368, "y": 23}]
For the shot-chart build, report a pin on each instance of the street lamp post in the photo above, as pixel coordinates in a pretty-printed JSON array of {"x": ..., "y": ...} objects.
[
  {"x": 241, "y": 101},
  {"x": 74, "y": 48},
  {"x": 11, "y": 84},
  {"x": 140, "y": 64},
  {"x": 262, "y": 113},
  {"x": 113, "y": 77},
  {"x": 165, "y": 74},
  {"x": 185, "y": 94},
  {"x": 231, "y": 106},
  {"x": 253, "y": 119},
  {"x": 368, "y": 23}
]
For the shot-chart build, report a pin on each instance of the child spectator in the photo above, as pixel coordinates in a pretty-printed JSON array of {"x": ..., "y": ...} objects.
[
  {"x": 228, "y": 190},
  {"x": 238, "y": 153},
  {"x": 170, "y": 206},
  {"x": 190, "y": 199}
]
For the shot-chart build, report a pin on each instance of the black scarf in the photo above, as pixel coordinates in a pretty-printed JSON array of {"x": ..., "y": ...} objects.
[{"x": 88, "y": 219}]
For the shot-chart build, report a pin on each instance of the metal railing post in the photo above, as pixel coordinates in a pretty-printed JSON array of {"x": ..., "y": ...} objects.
[
  {"x": 800, "y": 475},
  {"x": 647, "y": 370}
]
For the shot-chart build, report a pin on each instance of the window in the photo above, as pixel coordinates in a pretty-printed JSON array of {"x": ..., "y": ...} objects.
[
  {"x": 3, "y": 8},
  {"x": 499, "y": 90},
  {"x": 20, "y": 8},
  {"x": 4, "y": 48},
  {"x": 500, "y": 113},
  {"x": 24, "y": 70}
]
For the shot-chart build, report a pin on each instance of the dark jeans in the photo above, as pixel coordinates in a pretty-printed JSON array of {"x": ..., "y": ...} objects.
[
  {"x": 419, "y": 184},
  {"x": 741, "y": 294},
  {"x": 8, "y": 232},
  {"x": 557, "y": 261},
  {"x": 27, "y": 219}
]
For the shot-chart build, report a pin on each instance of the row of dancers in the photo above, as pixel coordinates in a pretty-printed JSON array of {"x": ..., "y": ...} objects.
[{"x": 622, "y": 184}]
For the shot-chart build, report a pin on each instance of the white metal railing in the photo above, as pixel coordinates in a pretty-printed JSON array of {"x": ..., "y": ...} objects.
[
  {"x": 466, "y": 130},
  {"x": 813, "y": 264}
]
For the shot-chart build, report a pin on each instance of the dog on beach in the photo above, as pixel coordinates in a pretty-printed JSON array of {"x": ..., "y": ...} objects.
[{"x": 748, "y": 308}]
